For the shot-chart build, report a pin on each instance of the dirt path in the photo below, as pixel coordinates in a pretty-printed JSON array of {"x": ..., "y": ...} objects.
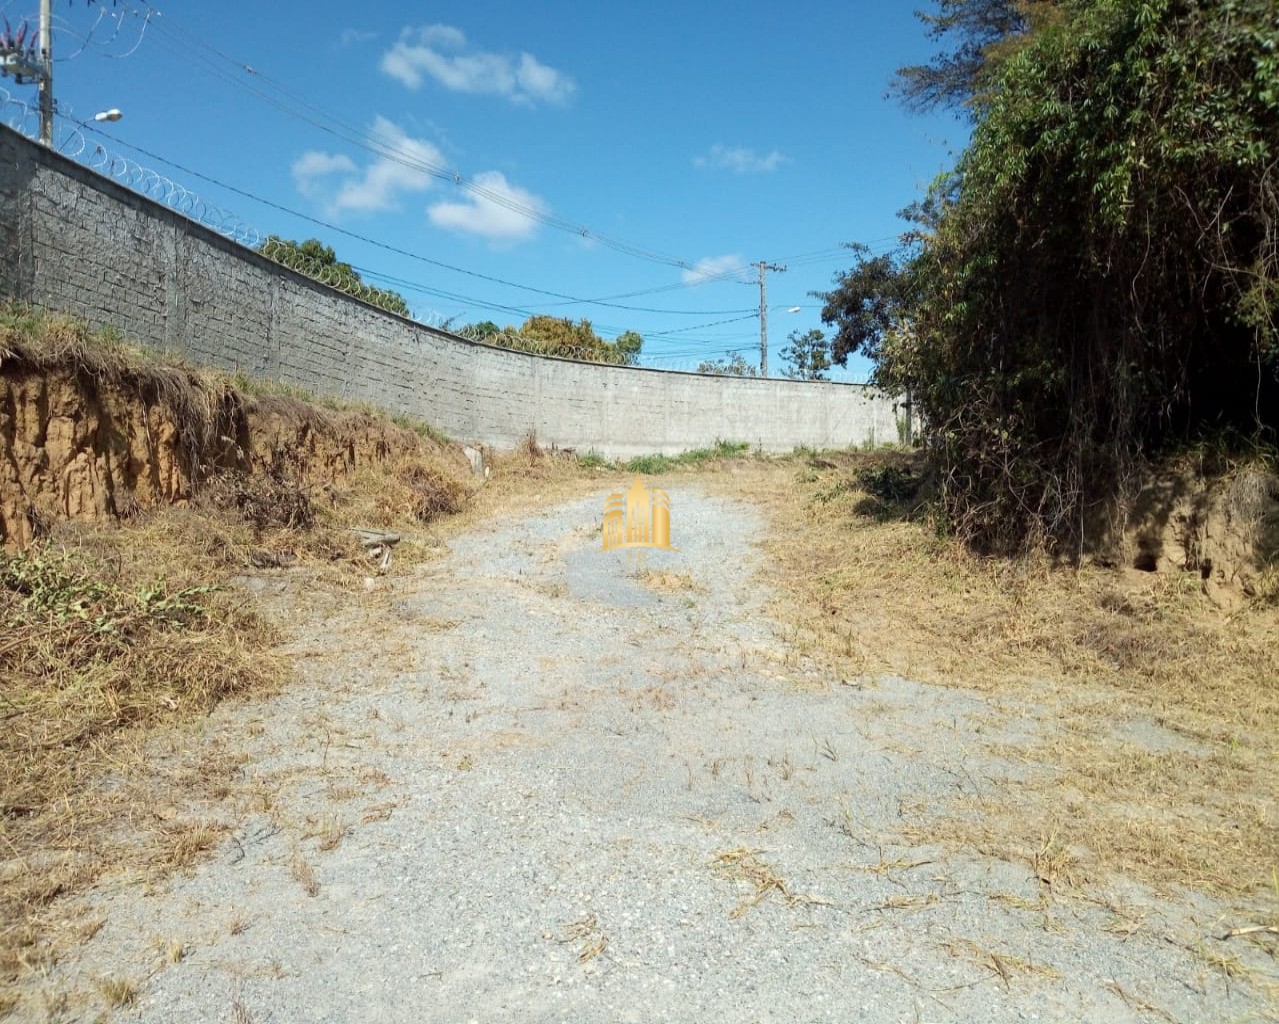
[{"x": 527, "y": 785}]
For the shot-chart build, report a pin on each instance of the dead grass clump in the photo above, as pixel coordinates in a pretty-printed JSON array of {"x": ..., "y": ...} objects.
[
  {"x": 743, "y": 864},
  {"x": 117, "y": 992},
  {"x": 433, "y": 494},
  {"x": 656, "y": 579},
  {"x": 529, "y": 450},
  {"x": 181, "y": 844},
  {"x": 529, "y": 460},
  {"x": 273, "y": 497},
  {"x": 304, "y": 874}
]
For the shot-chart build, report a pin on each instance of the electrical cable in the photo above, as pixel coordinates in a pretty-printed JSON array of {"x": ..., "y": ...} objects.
[
  {"x": 370, "y": 141},
  {"x": 383, "y": 245}
]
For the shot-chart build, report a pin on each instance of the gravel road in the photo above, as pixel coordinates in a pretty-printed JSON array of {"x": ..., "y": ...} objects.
[{"x": 526, "y": 784}]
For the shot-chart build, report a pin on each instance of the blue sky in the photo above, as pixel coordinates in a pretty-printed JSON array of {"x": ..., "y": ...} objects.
[{"x": 711, "y": 136}]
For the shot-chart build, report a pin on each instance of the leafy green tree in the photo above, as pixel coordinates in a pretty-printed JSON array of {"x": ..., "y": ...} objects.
[
  {"x": 628, "y": 345},
  {"x": 807, "y": 357},
  {"x": 867, "y": 303},
  {"x": 734, "y": 366},
  {"x": 315, "y": 259},
  {"x": 559, "y": 336}
]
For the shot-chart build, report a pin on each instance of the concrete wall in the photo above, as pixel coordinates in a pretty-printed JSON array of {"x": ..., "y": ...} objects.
[{"x": 74, "y": 241}]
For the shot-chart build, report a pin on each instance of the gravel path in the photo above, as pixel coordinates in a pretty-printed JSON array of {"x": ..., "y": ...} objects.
[{"x": 525, "y": 785}]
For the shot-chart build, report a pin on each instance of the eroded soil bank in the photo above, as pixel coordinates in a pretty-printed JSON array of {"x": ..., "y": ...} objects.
[{"x": 91, "y": 431}]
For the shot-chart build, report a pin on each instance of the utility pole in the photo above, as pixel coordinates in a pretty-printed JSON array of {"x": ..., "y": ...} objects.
[
  {"x": 763, "y": 314},
  {"x": 46, "y": 72}
]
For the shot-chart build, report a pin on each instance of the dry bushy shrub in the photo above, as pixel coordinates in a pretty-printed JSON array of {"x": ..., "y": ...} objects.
[{"x": 432, "y": 494}]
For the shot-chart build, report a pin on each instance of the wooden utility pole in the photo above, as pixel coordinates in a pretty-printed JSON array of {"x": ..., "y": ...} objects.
[
  {"x": 763, "y": 314},
  {"x": 46, "y": 72}
]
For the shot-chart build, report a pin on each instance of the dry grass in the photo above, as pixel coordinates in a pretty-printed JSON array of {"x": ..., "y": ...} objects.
[
  {"x": 171, "y": 950},
  {"x": 742, "y": 864},
  {"x": 239, "y": 1012},
  {"x": 98, "y": 650},
  {"x": 304, "y": 874},
  {"x": 1004, "y": 966},
  {"x": 666, "y": 581},
  {"x": 115, "y": 633},
  {"x": 117, "y": 992},
  {"x": 528, "y": 477},
  {"x": 871, "y": 590},
  {"x": 115, "y": 647},
  {"x": 330, "y": 830},
  {"x": 585, "y": 932}
]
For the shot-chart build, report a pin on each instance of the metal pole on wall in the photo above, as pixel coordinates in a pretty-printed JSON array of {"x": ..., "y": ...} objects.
[{"x": 46, "y": 75}]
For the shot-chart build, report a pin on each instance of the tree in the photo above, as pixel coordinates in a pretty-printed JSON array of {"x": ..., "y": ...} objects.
[
  {"x": 807, "y": 357},
  {"x": 559, "y": 336},
  {"x": 315, "y": 259},
  {"x": 1101, "y": 284},
  {"x": 628, "y": 345},
  {"x": 979, "y": 33},
  {"x": 485, "y": 330},
  {"x": 867, "y": 302},
  {"x": 735, "y": 366}
]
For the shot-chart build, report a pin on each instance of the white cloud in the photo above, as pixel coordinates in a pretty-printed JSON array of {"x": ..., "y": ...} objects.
[
  {"x": 441, "y": 52},
  {"x": 728, "y": 266},
  {"x": 440, "y": 35},
  {"x": 488, "y": 215},
  {"x": 740, "y": 160},
  {"x": 355, "y": 36},
  {"x": 343, "y": 186},
  {"x": 312, "y": 167}
]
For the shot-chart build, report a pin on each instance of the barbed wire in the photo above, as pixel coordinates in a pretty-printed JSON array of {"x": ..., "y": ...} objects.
[
  {"x": 18, "y": 114},
  {"x": 164, "y": 190},
  {"x": 336, "y": 275},
  {"x": 70, "y": 141}
]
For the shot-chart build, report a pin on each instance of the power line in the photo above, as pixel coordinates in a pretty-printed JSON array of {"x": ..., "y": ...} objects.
[
  {"x": 195, "y": 49},
  {"x": 697, "y": 327},
  {"x": 390, "y": 148},
  {"x": 403, "y": 283},
  {"x": 370, "y": 141},
  {"x": 384, "y": 245}
]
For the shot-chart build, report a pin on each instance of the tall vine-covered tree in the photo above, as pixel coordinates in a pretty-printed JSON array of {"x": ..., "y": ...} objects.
[
  {"x": 1101, "y": 283},
  {"x": 976, "y": 35}
]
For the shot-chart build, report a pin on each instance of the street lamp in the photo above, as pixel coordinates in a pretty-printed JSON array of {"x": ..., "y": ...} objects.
[{"x": 108, "y": 115}]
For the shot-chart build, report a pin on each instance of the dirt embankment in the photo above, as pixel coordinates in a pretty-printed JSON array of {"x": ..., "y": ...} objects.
[
  {"x": 88, "y": 433},
  {"x": 1219, "y": 522}
]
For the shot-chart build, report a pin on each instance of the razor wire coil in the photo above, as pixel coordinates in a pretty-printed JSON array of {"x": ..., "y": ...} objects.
[{"x": 71, "y": 142}]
